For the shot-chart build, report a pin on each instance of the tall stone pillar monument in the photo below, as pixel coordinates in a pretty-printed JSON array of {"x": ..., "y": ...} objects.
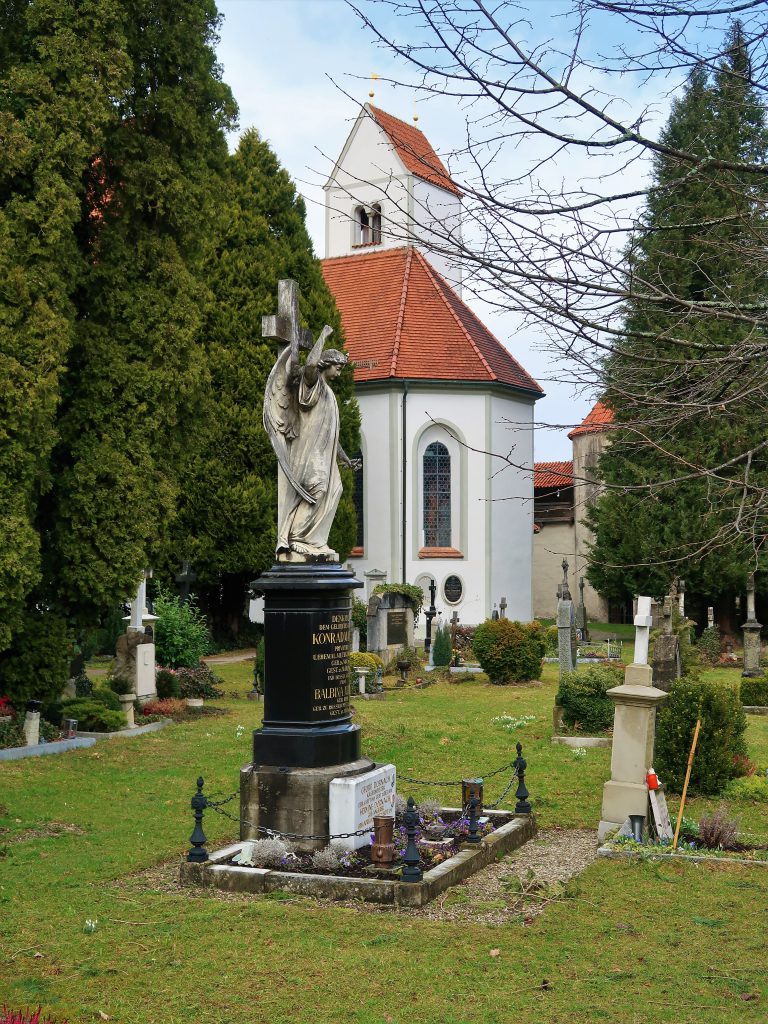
[
  {"x": 751, "y": 630},
  {"x": 634, "y": 726},
  {"x": 307, "y": 737}
]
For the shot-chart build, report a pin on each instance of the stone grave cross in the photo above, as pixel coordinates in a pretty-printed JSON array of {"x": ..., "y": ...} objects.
[
  {"x": 643, "y": 623},
  {"x": 667, "y": 613},
  {"x": 454, "y": 624},
  {"x": 503, "y": 608},
  {"x": 284, "y": 327},
  {"x": 710, "y": 617},
  {"x": 751, "y": 629},
  {"x": 139, "y": 604},
  {"x": 681, "y": 598},
  {"x": 185, "y": 579}
]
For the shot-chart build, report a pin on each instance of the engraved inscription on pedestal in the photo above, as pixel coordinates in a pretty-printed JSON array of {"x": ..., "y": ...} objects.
[
  {"x": 396, "y": 628},
  {"x": 331, "y": 638}
]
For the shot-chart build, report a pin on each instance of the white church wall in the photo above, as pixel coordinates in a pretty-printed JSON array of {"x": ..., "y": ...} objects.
[
  {"x": 436, "y": 217},
  {"x": 456, "y": 418},
  {"x": 381, "y": 485},
  {"x": 511, "y": 505},
  {"x": 369, "y": 171}
]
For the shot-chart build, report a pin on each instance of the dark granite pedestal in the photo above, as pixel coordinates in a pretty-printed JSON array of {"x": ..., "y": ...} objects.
[{"x": 308, "y": 737}]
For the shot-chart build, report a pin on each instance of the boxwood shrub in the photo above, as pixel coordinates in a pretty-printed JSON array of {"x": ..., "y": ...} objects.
[
  {"x": 508, "y": 651},
  {"x": 754, "y": 692},
  {"x": 721, "y": 747},
  {"x": 584, "y": 698},
  {"x": 93, "y": 716}
]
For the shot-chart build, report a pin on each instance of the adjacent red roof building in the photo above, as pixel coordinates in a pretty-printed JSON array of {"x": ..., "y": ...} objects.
[
  {"x": 552, "y": 474},
  {"x": 414, "y": 150},
  {"x": 597, "y": 418},
  {"x": 402, "y": 320}
]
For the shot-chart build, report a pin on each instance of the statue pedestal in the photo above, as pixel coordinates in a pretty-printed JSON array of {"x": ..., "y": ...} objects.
[
  {"x": 307, "y": 638},
  {"x": 307, "y": 737},
  {"x": 751, "y": 630}
]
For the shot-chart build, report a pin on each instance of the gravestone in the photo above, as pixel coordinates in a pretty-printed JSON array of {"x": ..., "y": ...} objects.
[
  {"x": 135, "y": 650},
  {"x": 390, "y": 624},
  {"x": 681, "y": 598},
  {"x": 581, "y": 614},
  {"x": 634, "y": 727},
  {"x": 503, "y": 608},
  {"x": 307, "y": 738},
  {"x": 667, "y": 666},
  {"x": 185, "y": 579},
  {"x": 710, "y": 618},
  {"x": 353, "y": 802},
  {"x": 751, "y": 630},
  {"x": 567, "y": 638}
]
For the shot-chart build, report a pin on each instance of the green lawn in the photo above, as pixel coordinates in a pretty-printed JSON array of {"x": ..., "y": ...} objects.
[{"x": 639, "y": 942}]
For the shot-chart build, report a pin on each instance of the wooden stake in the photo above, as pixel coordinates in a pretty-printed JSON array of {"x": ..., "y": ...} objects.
[{"x": 685, "y": 784}]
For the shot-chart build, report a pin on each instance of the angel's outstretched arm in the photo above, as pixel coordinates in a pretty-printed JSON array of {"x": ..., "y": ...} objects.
[{"x": 310, "y": 367}]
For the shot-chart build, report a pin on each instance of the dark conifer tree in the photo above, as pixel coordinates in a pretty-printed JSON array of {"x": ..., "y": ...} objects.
[
  {"x": 228, "y": 505},
  {"x": 698, "y": 240}
]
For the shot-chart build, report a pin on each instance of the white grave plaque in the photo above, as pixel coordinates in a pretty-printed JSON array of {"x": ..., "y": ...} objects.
[{"x": 354, "y": 801}]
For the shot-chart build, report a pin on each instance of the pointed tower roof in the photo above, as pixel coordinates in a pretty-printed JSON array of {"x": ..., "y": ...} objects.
[
  {"x": 414, "y": 149},
  {"x": 402, "y": 320}
]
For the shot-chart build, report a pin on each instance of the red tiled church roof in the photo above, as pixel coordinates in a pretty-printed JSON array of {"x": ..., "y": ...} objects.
[
  {"x": 553, "y": 474},
  {"x": 597, "y": 418},
  {"x": 414, "y": 150},
  {"x": 402, "y": 320}
]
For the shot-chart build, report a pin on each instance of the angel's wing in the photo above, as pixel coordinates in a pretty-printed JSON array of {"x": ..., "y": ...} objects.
[{"x": 281, "y": 419}]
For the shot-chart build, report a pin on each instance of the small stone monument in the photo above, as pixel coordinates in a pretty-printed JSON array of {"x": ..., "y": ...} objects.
[
  {"x": 31, "y": 726},
  {"x": 503, "y": 608},
  {"x": 710, "y": 617},
  {"x": 667, "y": 666},
  {"x": 185, "y": 579},
  {"x": 681, "y": 598},
  {"x": 634, "y": 726},
  {"x": 581, "y": 614},
  {"x": 135, "y": 650},
  {"x": 566, "y": 626},
  {"x": 751, "y": 630},
  {"x": 390, "y": 624}
]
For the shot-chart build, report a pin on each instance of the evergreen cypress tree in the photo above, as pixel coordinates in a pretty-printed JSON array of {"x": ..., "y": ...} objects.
[
  {"x": 61, "y": 63},
  {"x": 700, "y": 239},
  {"x": 136, "y": 374},
  {"x": 227, "y": 520}
]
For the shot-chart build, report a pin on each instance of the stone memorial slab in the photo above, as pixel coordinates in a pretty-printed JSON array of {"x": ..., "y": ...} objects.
[
  {"x": 396, "y": 627},
  {"x": 660, "y": 814},
  {"x": 354, "y": 801}
]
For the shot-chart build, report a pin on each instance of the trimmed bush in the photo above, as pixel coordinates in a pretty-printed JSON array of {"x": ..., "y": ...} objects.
[
  {"x": 361, "y": 659},
  {"x": 441, "y": 646},
  {"x": 11, "y": 734},
  {"x": 36, "y": 665},
  {"x": 508, "y": 651},
  {"x": 181, "y": 632},
  {"x": 708, "y": 645},
  {"x": 167, "y": 684},
  {"x": 360, "y": 620},
  {"x": 754, "y": 692},
  {"x": 584, "y": 698},
  {"x": 93, "y": 716},
  {"x": 551, "y": 643},
  {"x": 104, "y": 696},
  {"x": 721, "y": 737},
  {"x": 167, "y": 708},
  {"x": 199, "y": 681}
]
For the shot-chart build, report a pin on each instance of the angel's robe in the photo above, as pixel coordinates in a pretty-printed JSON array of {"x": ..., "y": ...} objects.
[{"x": 312, "y": 459}]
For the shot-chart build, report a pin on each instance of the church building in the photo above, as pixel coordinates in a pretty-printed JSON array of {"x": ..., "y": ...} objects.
[{"x": 446, "y": 486}]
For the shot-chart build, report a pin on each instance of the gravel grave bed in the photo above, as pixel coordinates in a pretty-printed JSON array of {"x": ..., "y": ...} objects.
[{"x": 541, "y": 868}]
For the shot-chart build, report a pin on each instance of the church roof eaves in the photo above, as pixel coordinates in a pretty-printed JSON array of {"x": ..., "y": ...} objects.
[
  {"x": 403, "y": 321},
  {"x": 598, "y": 417}
]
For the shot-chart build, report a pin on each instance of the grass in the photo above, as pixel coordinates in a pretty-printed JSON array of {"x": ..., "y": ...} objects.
[{"x": 636, "y": 942}]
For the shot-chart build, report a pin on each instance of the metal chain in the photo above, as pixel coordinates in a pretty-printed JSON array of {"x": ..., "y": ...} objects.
[
  {"x": 493, "y": 806},
  {"x": 286, "y": 835},
  {"x": 220, "y": 803},
  {"x": 458, "y": 782}
]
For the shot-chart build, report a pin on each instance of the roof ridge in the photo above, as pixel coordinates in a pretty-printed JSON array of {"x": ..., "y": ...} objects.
[
  {"x": 370, "y": 253},
  {"x": 431, "y": 272},
  {"x": 401, "y": 312}
]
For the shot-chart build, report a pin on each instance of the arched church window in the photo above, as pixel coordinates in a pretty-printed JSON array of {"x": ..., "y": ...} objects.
[
  {"x": 362, "y": 226},
  {"x": 357, "y": 498},
  {"x": 375, "y": 219},
  {"x": 437, "y": 496}
]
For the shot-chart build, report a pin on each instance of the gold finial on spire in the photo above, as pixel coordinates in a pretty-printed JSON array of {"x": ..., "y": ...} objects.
[
  {"x": 415, "y": 115},
  {"x": 374, "y": 78}
]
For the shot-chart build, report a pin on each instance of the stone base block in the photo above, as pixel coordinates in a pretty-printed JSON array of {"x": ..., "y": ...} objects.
[
  {"x": 293, "y": 800},
  {"x": 620, "y": 799}
]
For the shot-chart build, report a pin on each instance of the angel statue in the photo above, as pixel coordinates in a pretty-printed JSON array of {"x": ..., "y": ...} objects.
[{"x": 301, "y": 417}]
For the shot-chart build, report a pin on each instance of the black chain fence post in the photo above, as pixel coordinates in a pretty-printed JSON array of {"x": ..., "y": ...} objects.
[
  {"x": 412, "y": 871},
  {"x": 198, "y": 854},
  {"x": 522, "y": 806},
  {"x": 473, "y": 836}
]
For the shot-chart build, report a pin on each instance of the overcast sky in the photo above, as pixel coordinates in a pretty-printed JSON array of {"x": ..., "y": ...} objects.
[{"x": 295, "y": 67}]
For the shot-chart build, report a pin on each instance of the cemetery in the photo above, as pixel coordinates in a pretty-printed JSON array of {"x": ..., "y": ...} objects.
[{"x": 281, "y": 737}]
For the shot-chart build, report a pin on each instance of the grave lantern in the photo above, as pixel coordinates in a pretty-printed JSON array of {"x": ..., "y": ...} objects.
[{"x": 472, "y": 789}]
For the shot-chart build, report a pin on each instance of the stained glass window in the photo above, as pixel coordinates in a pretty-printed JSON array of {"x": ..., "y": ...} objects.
[{"x": 437, "y": 496}]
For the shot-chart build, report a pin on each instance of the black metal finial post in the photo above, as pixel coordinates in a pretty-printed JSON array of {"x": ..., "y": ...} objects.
[
  {"x": 198, "y": 853},
  {"x": 522, "y": 806},
  {"x": 429, "y": 615},
  {"x": 473, "y": 836},
  {"x": 412, "y": 871}
]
